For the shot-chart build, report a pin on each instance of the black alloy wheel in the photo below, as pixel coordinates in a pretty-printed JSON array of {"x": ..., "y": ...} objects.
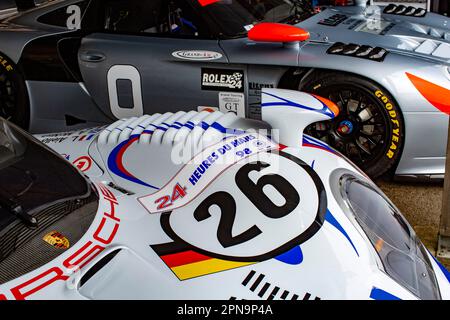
[{"x": 369, "y": 128}]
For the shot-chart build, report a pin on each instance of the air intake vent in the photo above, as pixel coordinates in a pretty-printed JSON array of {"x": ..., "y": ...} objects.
[
  {"x": 405, "y": 11},
  {"x": 98, "y": 266},
  {"x": 439, "y": 34},
  {"x": 434, "y": 48},
  {"x": 334, "y": 20},
  {"x": 358, "y": 51}
]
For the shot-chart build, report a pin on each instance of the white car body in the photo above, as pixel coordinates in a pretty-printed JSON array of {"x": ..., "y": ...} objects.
[{"x": 314, "y": 251}]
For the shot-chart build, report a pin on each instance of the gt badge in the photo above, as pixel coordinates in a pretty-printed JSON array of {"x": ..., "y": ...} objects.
[{"x": 57, "y": 240}]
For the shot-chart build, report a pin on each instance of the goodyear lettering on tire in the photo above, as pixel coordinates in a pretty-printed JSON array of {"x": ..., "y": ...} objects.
[
  {"x": 393, "y": 115},
  {"x": 5, "y": 64}
]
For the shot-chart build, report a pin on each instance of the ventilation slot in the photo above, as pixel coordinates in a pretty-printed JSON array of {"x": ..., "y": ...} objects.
[
  {"x": 434, "y": 48},
  {"x": 98, "y": 266}
]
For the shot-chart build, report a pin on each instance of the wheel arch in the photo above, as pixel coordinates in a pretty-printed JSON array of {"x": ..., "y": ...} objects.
[
  {"x": 18, "y": 76},
  {"x": 297, "y": 78}
]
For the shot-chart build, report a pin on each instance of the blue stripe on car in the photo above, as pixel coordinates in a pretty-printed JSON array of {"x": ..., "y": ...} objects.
[
  {"x": 286, "y": 103},
  {"x": 379, "y": 294},
  {"x": 332, "y": 220}
]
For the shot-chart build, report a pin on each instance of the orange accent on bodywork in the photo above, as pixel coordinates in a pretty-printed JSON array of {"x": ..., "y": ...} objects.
[
  {"x": 277, "y": 32},
  {"x": 330, "y": 104},
  {"x": 438, "y": 96},
  {"x": 379, "y": 245}
]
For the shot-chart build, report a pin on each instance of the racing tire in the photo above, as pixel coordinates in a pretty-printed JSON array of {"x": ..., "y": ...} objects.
[
  {"x": 14, "y": 104},
  {"x": 369, "y": 129}
]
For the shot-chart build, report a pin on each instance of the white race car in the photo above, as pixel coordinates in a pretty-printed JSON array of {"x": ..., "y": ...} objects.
[{"x": 202, "y": 205}]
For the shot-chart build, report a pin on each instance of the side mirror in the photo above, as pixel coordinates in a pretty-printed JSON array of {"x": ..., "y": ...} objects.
[{"x": 277, "y": 32}]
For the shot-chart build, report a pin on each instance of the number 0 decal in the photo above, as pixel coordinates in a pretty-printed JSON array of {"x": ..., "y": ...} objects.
[
  {"x": 266, "y": 213},
  {"x": 125, "y": 72}
]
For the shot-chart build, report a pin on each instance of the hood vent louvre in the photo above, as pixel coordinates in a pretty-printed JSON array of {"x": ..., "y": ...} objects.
[
  {"x": 188, "y": 128},
  {"x": 434, "y": 48},
  {"x": 358, "y": 51},
  {"x": 405, "y": 11}
]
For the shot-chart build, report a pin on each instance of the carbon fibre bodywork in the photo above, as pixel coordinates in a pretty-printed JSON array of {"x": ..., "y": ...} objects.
[{"x": 51, "y": 63}]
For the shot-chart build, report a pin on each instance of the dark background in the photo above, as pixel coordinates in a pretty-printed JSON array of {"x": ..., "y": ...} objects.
[{"x": 7, "y": 4}]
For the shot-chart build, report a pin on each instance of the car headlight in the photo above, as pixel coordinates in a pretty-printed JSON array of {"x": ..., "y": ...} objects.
[{"x": 403, "y": 257}]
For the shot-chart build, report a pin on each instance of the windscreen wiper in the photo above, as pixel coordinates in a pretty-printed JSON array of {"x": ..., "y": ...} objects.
[{"x": 16, "y": 209}]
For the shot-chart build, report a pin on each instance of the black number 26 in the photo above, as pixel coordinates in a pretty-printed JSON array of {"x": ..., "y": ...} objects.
[{"x": 255, "y": 193}]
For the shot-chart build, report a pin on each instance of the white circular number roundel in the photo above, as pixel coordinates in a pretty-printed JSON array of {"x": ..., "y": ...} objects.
[{"x": 254, "y": 211}]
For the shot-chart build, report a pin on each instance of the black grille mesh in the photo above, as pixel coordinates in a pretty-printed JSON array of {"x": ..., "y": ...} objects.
[{"x": 22, "y": 249}]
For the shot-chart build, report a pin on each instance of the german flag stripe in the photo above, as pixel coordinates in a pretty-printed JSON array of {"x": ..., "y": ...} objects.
[
  {"x": 170, "y": 248},
  {"x": 205, "y": 267},
  {"x": 186, "y": 263},
  {"x": 182, "y": 258}
]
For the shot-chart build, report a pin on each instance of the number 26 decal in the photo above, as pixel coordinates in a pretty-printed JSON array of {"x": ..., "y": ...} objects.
[{"x": 266, "y": 219}]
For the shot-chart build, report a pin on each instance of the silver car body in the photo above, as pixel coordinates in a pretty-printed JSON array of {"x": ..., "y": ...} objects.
[{"x": 416, "y": 45}]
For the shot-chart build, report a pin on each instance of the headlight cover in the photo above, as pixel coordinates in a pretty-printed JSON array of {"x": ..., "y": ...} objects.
[{"x": 403, "y": 256}]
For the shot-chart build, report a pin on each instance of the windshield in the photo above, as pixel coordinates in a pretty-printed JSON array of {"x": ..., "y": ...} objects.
[
  {"x": 237, "y": 17},
  {"x": 46, "y": 205},
  {"x": 32, "y": 177}
]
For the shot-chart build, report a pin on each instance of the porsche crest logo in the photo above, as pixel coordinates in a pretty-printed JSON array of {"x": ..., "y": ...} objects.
[{"x": 57, "y": 240}]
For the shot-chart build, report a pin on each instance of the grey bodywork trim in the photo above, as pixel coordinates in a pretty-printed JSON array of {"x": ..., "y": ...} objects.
[{"x": 48, "y": 109}]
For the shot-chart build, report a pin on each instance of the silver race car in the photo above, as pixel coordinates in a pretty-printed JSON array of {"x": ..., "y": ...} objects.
[
  {"x": 202, "y": 205},
  {"x": 85, "y": 62}
]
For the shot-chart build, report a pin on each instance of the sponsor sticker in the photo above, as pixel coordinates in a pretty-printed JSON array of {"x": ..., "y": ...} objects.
[
  {"x": 255, "y": 86},
  {"x": 83, "y": 163},
  {"x": 197, "y": 55},
  {"x": 57, "y": 240},
  {"x": 232, "y": 102},
  {"x": 222, "y": 80}
]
